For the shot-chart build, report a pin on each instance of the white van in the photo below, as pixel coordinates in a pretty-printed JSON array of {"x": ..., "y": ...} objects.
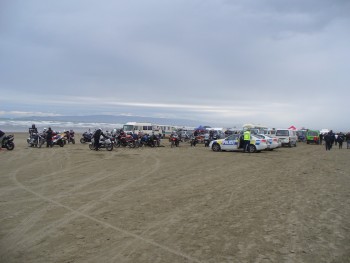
[{"x": 287, "y": 137}]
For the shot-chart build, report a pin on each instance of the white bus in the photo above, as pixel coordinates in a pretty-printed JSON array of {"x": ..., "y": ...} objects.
[
  {"x": 165, "y": 130},
  {"x": 136, "y": 127},
  {"x": 149, "y": 128}
]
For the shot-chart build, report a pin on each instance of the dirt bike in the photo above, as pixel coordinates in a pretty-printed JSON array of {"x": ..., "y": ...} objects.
[
  {"x": 103, "y": 143},
  {"x": 8, "y": 143}
]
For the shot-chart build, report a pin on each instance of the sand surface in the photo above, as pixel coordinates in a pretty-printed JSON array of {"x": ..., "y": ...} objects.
[{"x": 167, "y": 204}]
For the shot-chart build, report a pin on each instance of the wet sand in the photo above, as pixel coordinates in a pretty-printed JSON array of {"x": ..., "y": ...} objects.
[{"x": 167, "y": 204}]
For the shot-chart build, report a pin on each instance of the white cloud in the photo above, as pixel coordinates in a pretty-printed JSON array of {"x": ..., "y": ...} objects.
[{"x": 26, "y": 113}]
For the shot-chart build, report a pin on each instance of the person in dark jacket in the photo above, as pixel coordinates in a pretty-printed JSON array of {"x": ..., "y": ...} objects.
[
  {"x": 2, "y": 136},
  {"x": 340, "y": 140},
  {"x": 33, "y": 130},
  {"x": 332, "y": 138},
  {"x": 49, "y": 134},
  {"x": 329, "y": 140},
  {"x": 321, "y": 138},
  {"x": 347, "y": 140},
  {"x": 98, "y": 133}
]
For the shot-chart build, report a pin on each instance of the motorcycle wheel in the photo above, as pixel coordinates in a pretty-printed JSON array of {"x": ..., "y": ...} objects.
[
  {"x": 132, "y": 145},
  {"x": 73, "y": 141},
  {"x": 82, "y": 140},
  {"x": 61, "y": 143},
  {"x": 172, "y": 144},
  {"x": 91, "y": 146},
  {"x": 109, "y": 147},
  {"x": 10, "y": 146},
  {"x": 117, "y": 144}
]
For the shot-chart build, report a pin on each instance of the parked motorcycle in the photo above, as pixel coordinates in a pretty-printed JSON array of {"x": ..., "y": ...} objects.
[
  {"x": 103, "y": 143},
  {"x": 193, "y": 141},
  {"x": 36, "y": 140},
  {"x": 8, "y": 143},
  {"x": 125, "y": 141},
  {"x": 174, "y": 141},
  {"x": 70, "y": 136},
  {"x": 58, "y": 139},
  {"x": 149, "y": 140},
  {"x": 87, "y": 136},
  {"x": 208, "y": 139}
]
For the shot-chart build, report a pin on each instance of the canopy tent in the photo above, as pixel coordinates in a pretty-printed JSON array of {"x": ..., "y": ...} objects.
[
  {"x": 292, "y": 128},
  {"x": 200, "y": 127}
]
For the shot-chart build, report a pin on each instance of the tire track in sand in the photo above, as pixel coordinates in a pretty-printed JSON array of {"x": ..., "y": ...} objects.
[{"x": 82, "y": 212}]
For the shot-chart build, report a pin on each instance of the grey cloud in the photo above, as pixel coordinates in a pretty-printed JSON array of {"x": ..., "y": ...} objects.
[{"x": 184, "y": 52}]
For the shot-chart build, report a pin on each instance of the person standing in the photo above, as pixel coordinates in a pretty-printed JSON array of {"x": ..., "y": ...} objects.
[
  {"x": 347, "y": 138},
  {"x": 246, "y": 138},
  {"x": 335, "y": 139},
  {"x": 49, "y": 134},
  {"x": 97, "y": 135},
  {"x": 327, "y": 140},
  {"x": 33, "y": 130},
  {"x": 2, "y": 136},
  {"x": 340, "y": 140},
  {"x": 332, "y": 138},
  {"x": 321, "y": 138}
]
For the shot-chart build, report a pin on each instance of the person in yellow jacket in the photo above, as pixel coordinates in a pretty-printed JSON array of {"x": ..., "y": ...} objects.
[{"x": 246, "y": 138}]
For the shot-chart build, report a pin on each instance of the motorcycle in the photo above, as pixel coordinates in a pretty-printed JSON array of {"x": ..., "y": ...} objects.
[
  {"x": 151, "y": 141},
  {"x": 103, "y": 143},
  {"x": 208, "y": 139},
  {"x": 36, "y": 140},
  {"x": 125, "y": 141},
  {"x": 174, "y": 141},
  {"x": 8, "y": 143},
  {"x": 70, "y": 137},
  {"x": 193, "y": 141},
  {"x": 87, "y": 136},
  {"x": 58, "y": 139}
]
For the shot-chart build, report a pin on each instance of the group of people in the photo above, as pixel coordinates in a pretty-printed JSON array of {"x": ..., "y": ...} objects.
[
  {"x": 47, "y": 132},
  {"x": 331, "y": 138}
]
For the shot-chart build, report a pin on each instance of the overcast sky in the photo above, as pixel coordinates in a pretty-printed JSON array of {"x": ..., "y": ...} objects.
[{"x": 273, "y": 62}]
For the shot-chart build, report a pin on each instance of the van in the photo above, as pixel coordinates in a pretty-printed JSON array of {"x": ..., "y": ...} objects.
[
  {"x": 287, "y": 137},
  {"x": 312, "y": 136}
]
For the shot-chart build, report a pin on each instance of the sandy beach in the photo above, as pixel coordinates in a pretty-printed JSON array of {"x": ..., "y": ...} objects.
[{"x": 182, "y": 204}]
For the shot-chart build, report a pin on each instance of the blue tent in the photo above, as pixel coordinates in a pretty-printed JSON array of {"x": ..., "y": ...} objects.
[{"x": 200, "y": 127}]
